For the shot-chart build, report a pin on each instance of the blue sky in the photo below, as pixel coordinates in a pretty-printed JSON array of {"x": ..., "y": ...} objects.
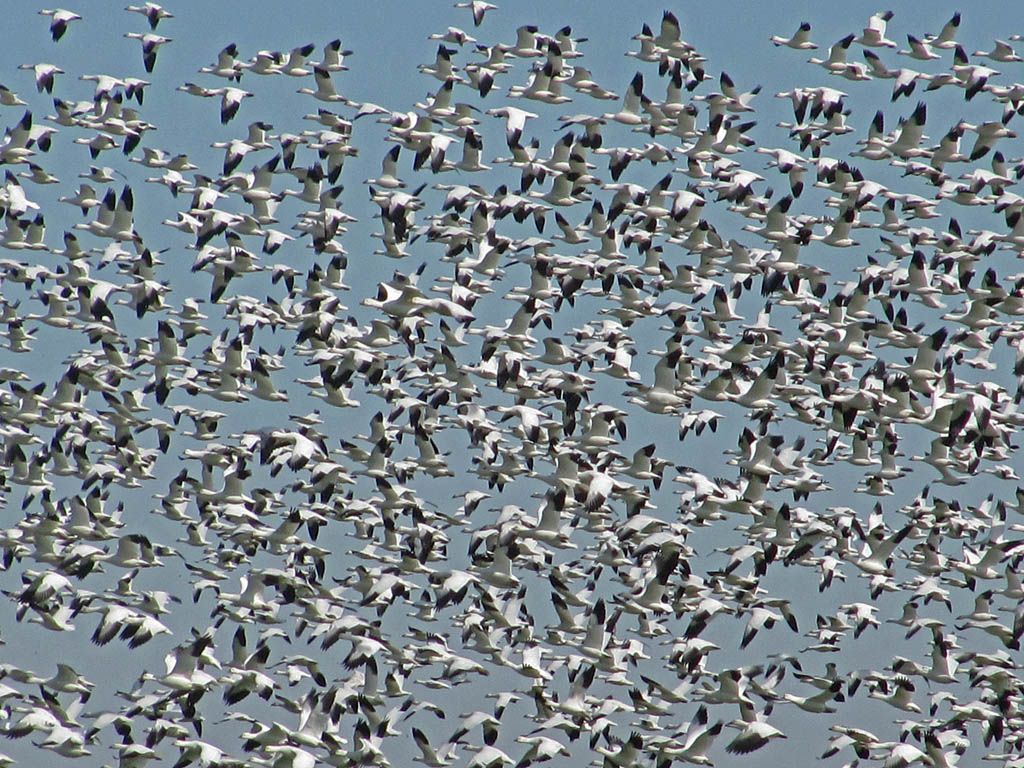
[{"x": 388, "y": 42}]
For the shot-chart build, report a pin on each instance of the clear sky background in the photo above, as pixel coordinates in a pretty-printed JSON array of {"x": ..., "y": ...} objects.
[{"x": 389, "y": 41}]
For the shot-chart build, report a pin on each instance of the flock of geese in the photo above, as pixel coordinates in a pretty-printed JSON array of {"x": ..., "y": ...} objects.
[{"x": 666, "y": 437}]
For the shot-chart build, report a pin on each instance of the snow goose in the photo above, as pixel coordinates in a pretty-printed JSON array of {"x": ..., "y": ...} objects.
[
  {"x": 59, "y": 21},
  {"x": 836, "y": 61},
  {"x": 515, "y": 122},
  {"x": 231, "y": 100},
  {"x": 919, "y": 49},
  {"x": 44, "y": 74},
  {"x": 150, "y": 43},
  {"x": 154, "y": 13},
  {"x": 630, "y": 112},
  {"x": 755, "y": 731},
  {"x": 972, "y": 77},
  {"x": 334, "y": 57},
  {"x": 227, "y": 66},
  {"x": 874, "y": 32},
  {"x": 946, "y": 38},
  {"x": 669, "y": 39},
  {"x": 324, "y": 87},
  {"x": 9, "y": 98},
  {"x": 442, "y": 68},
  {"x": 801, "y": 39},
  {"x": 478, "y": 9}
]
